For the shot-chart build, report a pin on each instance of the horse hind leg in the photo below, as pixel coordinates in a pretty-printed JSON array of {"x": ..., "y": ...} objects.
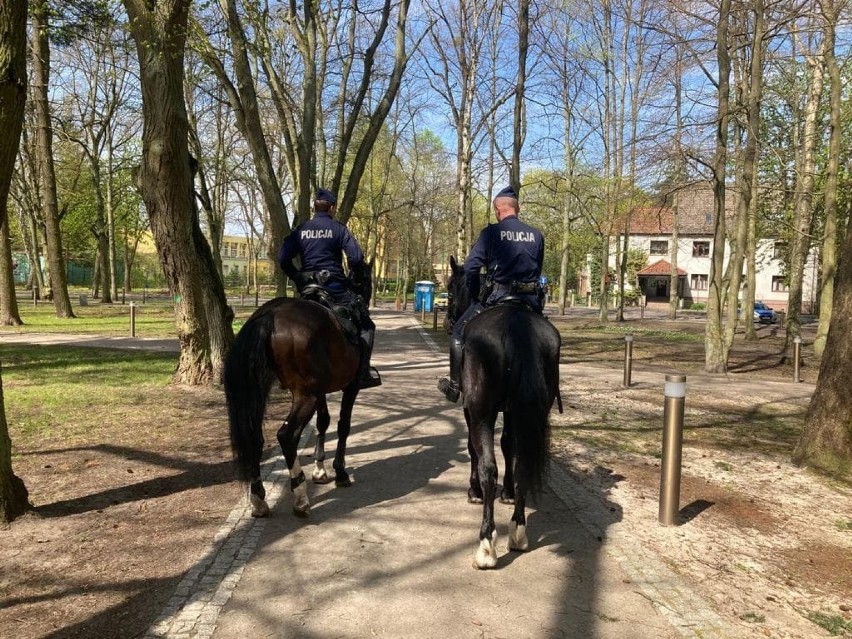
[
  {"x": 288, "y": 438},
  {"x": 319, "y": 475},
  {"x": 507, "y": 493},
  {"x": 257, "y": 499},
  {"x": 518, "y": 540},
  {"x": 483, "y": 435},
  {"x": 518, "y": 528},
  {"x": 474, "y": 492},
  {"x": 344, "y": 427}
]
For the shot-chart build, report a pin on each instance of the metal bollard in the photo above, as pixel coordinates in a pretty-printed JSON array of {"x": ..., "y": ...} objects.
[
  {"x": 628, "y": 359},
  {"x": 256, "y": 298},
  {"x": 797, "y": 354},
  {"x": 675, "y": 396},
  {"x": 132, "y": 319},
  {"x": 642, "y": 303},
  {"x": 435, "y": 319}
]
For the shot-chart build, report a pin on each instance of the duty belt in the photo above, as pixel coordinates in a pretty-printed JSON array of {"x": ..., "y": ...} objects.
[{"x": 517, "y": 288}]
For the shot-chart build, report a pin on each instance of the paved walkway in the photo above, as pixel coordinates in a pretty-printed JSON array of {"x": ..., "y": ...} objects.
[{"x": 391, "y": 556}]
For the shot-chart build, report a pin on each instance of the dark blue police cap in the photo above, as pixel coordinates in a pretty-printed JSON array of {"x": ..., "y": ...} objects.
[
  {"x": 325, "y": 195},
  {"x": 507, "y": 192}
]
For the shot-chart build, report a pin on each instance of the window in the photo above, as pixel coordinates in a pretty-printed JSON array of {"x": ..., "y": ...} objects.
[
  {"x": 242, "y": 250},
  {"x": 659, "y": 247},
  {"x": 708, "y": 218},
  {"x": 700, "y": 249},
  {"x": 233, "y": 249},
  {"x": 698, "y": 282},
  {"x": 778, "y": 284},
  {"x": 779, "y": 249}
]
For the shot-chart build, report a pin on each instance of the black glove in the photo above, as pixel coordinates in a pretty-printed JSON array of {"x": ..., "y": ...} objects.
[
  {"x": 301, "y": 280},
  {"x": 356, "y": 279}
]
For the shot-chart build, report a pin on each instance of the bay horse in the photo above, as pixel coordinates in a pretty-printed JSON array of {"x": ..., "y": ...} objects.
[
  {"x": 303, "y": 346},
  {"x": 510, "y": 365}
]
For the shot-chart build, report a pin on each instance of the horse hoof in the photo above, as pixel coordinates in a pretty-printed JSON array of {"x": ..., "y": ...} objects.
[
  {"x": 321, "y": 478},
  {"x": 473, "y": 497},
  {"x": 518, "y": 537},
  {"x": 507, "y": 499},
  {"x": 259, "y": 507},
  {"x": 301, "y": 513},
  {"x": 343, "y": 483},
  {"x": 486, "y": 554},
  {"x": 484, "y": 560}
]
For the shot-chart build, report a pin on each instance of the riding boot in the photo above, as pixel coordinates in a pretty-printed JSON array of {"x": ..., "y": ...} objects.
[
  {"x": 450, "y": 386},
  {"x": 366, "y": 377}
]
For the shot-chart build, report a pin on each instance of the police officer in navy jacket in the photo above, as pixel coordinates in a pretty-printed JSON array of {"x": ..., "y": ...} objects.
[
  {"x": 321, "y": 243},
  {"x": 512, "y": 254}
]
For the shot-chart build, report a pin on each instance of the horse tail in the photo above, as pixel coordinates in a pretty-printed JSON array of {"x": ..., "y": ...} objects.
[
  {"x": 248, "y": 377},
  {"x": 528, "y": 405}
]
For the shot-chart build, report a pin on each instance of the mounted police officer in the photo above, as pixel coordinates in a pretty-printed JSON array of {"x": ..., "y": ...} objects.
[
  {"x": 512, "y": 254},
  {"x": 321, "y": 243}
]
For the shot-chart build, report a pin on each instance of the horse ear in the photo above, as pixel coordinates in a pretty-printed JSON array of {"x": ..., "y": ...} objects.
[{"x": 453, "y": 264}]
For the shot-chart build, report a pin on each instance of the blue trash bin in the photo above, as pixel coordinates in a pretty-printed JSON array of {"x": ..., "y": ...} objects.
[{"x": 423, "y": 296}]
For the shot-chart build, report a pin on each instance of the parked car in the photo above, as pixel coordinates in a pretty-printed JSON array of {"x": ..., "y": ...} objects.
[
  {"x": 442, "y": 301},
  {"x": 764, "y": 314}
]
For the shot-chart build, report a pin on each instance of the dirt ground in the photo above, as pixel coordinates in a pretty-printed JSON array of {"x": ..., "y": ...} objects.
[{"x": 768, "y": 544}]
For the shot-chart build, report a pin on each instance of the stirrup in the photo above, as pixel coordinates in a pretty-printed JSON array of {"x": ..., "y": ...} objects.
[
  {"x": 368, "y": 381},
  {"x": 449, "y": 389}
]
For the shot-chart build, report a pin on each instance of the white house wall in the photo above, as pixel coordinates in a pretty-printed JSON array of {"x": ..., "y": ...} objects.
[{"x": 766, "y": 268}]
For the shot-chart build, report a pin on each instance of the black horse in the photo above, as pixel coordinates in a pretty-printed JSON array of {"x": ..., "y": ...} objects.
[
  {"x": 510, "y": 365},
  {"x": 305, "y": 346}
]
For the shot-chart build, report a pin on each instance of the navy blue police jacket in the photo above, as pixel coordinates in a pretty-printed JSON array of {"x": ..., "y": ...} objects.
[
  {"x": 511, "y": 251},
  {"x": 321, "y": 242}
]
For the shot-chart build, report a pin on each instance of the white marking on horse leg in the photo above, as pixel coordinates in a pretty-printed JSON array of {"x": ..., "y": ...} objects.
[
  {"x": 518, "y": 537},
  {"x": 486, "y": 554},
  {"x": 319, "y": 475},
  {"x": 301, "y": 505},
  {"x": 259, "y": 507}
]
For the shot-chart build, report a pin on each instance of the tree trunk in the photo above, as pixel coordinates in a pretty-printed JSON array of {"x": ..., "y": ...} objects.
[
  {"x": 109, "y": 220},
  {"x": 803, "y": 213},
  {"x": 13, "y": 93},
  {"x": 14, "y": 497},
  {"x": 715, "y": 354},
  {"x": 753, "y": 90},
  {"x": 520, "y": 127},
  {"x": 249, "y": 121},
  {"x": 829, "y": 235},
  {"x": 202, "y": 316},
  {"x": 679, "y": 176},
  {"x": 47, "y": 176},
  {"x": 751, "y": 257},
  {"x": 673, "y": 251},
  {"x": 9, "y": 314},
  {"x": 827, "y": 437},
  {"x": 103, "y": 271}
]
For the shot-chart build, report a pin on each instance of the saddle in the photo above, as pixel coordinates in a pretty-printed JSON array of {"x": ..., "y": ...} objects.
[
  {"x": 347, "y": 316},
  {"x": 516, "y": 300}
]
